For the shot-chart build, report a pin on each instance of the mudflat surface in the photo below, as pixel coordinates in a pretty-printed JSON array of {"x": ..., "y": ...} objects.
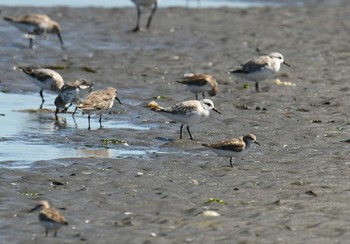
[{"x": 292, "y": 189}]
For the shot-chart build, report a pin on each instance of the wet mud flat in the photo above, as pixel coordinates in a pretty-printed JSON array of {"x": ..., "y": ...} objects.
[{"x": 292, "y": 189}]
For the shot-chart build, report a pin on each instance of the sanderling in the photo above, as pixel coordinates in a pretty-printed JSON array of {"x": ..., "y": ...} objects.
[
  {"x": 99, "y": 102},
  {"x": 260, "y": 68},
  {"x": 187, "y": 112},
  {"x": 36, "y": 24},
  {"x": 235, "y": 147},
  {"x": 50, "y": 218},
  {"x": 144, "y": 3},
  {"x": 200, "y": 83},
  {"x": 72, "y": 92},
  {"x": 47, "y": 79}
]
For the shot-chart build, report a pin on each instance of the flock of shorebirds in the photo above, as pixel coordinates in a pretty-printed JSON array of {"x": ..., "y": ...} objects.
[{"x": 187, "y": 113}]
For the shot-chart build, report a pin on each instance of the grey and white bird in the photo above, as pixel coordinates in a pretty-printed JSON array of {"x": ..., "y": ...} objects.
[
  {"x": 36, "y": 24},
  {"x": 187, "y": 112},
  {"x": 72, "y": 92},
  {"x": 260, "y": 68}
]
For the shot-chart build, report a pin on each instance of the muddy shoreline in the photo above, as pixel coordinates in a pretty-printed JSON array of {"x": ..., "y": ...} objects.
[{"x": 292, "y": 189}]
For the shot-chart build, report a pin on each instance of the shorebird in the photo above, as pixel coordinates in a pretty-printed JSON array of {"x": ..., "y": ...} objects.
[
  {"x": 200, "y": 83},
  {"x": 46, "y": 79},
  {"x": 49, "y": 217},
  {"x": 260, "y": 68},
  {"x": 36, "y": 24},
  {"x": 72, "y": 92},
  {"x": 235, "y": 147},
  {"x": 144, "y": 3},
  {"x": 99, "y": 102},
  {"x": 187, "y": 112}
]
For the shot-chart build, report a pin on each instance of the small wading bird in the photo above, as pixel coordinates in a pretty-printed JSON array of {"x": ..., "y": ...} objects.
[
  {"x": 260, "y": 68},
  {"x": 35, "y": 25},
  {"x": 235, "y": 147},
  {"x": 72, "y": 92},
  {"x": 50, "y": 218},
  {"x": 200, "y": 83},
  {"x": 187, "y": 112},
  {"x": 46, "y": 79},
  {"x": 144, "y": 4},
  {"x": 99, "y": 102}
]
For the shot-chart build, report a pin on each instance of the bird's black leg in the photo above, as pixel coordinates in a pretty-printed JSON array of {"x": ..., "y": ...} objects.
[
  {"x": 203, "y": 95},
  {"x": 231, "y": 162},
  {"x": 46, "y": 232},
  {"x": 89, "y": 128},
  {"x": 100, "y": 120},
  {"x": 74, "y": 111},
  {"x": 181, "y": 131},
  {"x": 188, "y": 129},
  {"x": 55, "y": 234},
  {"x": 196, "y": 96},
  {"x": 42, "y": 99},
  {"x": 151, "y": 16},
  {"x": 137, "y": 27},
  {"x": 257, "y": 87},
  {"x": 56, "y": 113},
  {"x": 30, "y": 37}
]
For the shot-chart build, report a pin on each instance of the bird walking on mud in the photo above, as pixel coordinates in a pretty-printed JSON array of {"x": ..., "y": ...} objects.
[
  {"x": 187, "y": 112},
  {"x": 200, "y": 83},
  {"x": 35, "y": 25},
  {"x": 99, "y": 102},
  {"x": 260, "y": 68},
  {"x": 46, "y": 79},
  {"x": 235, "y": 147},
  {"x": 144, "y": 4},
  {"x": 72, "y": 92},
  {"x": 49, "y": 217}
]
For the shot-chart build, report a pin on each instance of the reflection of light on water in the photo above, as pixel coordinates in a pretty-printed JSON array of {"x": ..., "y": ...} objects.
[
  {"x": 108, "y": 153},
  {"x": 96, "y": 153}
]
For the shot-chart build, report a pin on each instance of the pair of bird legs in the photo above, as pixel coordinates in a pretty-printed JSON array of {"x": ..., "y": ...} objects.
[
  {"x": 137, "y": 27},
  {"x": 47, "y": 232}
]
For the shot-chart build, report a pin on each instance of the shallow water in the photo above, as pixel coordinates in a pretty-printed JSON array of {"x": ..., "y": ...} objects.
[{"x": 24, "y": 133}]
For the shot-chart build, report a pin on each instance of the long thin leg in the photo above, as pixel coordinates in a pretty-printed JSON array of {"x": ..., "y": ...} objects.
[
  {"x": 56, "y": 113},
  {"x": 42, "y": 98},
  {"x": 46, "y": 232},
  {"x": 188, "y": 129},
  {"x": 181, "y": 131},
  {"x": 137, "y": 27},
  {"x": 89, "y": 128},
  {"x": 55, "y": 234},
  {"x": 203, "y": 95},
  {"x": 74, "y": 111},
  {"x": 231, "y": 162},
  {"x": 196, "y": 96},
  {"x": 257, "y": 87},
  {"x": 100, "y": 120},
  {"x": 30, "y": 40},
  {"x": 152, "y": 13}
]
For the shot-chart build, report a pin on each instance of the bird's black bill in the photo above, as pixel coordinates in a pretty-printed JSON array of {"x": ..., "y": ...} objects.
[
  {"x": 286, "y": 64},
  {"x": 35, "y": 208},
  {"x": 216, "y": 110},
  {"x": 116, "y": 98},
  {"x": 60, "y": 38},
  {"x": 257, "y": 143}
]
